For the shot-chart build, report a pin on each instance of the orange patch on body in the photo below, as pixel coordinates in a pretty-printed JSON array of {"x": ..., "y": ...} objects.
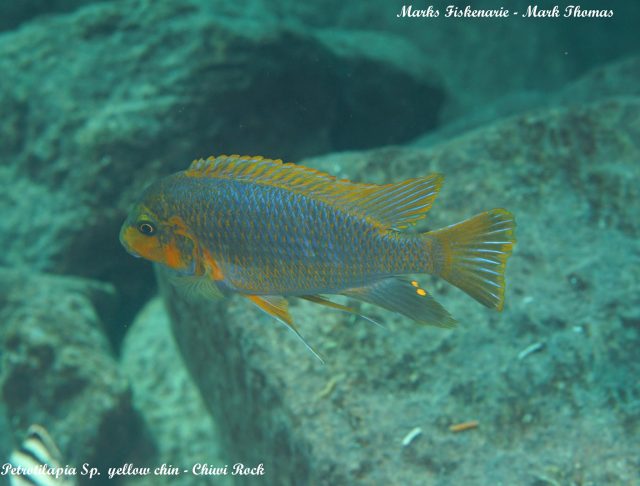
[
  {"x": 145, "y": 246},
  {"x": 212, "y": 266},
  {"x": 172, "y": 253},
  {"x": 172, "y": 256}
]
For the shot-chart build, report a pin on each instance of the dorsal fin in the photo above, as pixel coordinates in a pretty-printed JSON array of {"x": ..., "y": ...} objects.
[{"x": 395, "y": 205}]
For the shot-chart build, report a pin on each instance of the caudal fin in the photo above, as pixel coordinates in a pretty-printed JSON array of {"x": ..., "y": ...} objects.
[{"x": 474, "y": 254}]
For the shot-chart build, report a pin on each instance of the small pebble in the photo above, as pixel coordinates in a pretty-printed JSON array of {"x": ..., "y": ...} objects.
[{"x": 411, "y": 436}]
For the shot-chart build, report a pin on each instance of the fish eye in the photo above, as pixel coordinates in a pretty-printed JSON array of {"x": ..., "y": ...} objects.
[{"x": 146, "y": 228}]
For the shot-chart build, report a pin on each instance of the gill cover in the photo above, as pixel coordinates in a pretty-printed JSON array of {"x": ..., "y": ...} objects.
[{"x": 169, "y": 243}]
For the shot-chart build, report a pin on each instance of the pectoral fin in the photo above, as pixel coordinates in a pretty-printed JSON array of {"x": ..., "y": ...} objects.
[
  {"x": 278, "y": 307},
  {"x": 405, "y": 297},
  {"x": 197, "y": 286}
]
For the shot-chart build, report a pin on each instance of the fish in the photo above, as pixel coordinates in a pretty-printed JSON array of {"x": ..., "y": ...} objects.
[
  {"x": 38, "y": 461},
  {"x": 271, "y": 231}
]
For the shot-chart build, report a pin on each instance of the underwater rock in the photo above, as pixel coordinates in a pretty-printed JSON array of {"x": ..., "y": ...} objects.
[
  {"x": 5, "y": 434},
  {"x": 80, "y": 143},
  {"x": 612, "y": 80},
  {"x": 178, "y": 426},
  {"x": 535, "y": 377},
  {"x": 231, "y": 352},
  {"x": 13, "y": 14},
  {"x": 197, "y": 82},
  {"x": 98, "y": 102},
  {"x": 482, "y": 61},
  {"x": 57, "y": 369},
  {"x": 619, "y": 78}
]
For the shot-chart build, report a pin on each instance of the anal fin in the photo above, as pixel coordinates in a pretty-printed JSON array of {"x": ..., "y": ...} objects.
[
  {"x": 278, "y": 307},
  {"x": 316, "y": 299},
  {"x": 405, "y": 297}
]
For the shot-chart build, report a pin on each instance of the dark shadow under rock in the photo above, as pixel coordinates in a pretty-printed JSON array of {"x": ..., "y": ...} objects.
[{"x": 178, "y": 427}]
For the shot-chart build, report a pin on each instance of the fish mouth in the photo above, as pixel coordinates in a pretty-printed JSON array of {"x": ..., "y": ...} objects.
[
  {"x": 126, "y": 246},
  {"x": 132, "y": 253}
]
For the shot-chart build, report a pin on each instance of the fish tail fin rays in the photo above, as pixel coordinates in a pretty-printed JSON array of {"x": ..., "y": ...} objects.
[
  {"x": 405, "y": 297},
  {"x": 474, "y": 255},
  {"x": 278, "y": 307}
]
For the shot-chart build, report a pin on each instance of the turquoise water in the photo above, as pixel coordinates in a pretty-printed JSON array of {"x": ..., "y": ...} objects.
[{"x": 539, "y": 115}]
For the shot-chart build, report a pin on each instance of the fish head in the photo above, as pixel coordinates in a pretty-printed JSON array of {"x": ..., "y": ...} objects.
[{"x": 153, "y": 232}]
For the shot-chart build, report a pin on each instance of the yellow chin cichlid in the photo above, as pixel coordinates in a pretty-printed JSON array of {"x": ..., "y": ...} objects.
[{"x": 269, "y": 230}]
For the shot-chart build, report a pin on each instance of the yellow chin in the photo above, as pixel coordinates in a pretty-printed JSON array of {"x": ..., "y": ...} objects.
[
  {"x": 150, "y": 248},
  {"x": 141, "y": 245}
]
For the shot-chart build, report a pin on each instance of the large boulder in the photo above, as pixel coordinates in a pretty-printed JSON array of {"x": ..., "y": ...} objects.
[{"x": 535, "y": 376}]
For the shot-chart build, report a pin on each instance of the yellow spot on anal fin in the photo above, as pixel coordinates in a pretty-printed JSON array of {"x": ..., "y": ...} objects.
[
  {"x": 419, "y": 291},
  {"x": 399, "y": 295}
]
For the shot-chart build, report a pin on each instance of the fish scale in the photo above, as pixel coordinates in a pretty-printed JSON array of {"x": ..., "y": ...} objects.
[{"x": 255, "y": 246}]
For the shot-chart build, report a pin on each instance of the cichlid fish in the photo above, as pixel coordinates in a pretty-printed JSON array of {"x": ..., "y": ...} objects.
[
  {"x": 38, "y": 462},
  {"x": 269, "y": 230}
]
